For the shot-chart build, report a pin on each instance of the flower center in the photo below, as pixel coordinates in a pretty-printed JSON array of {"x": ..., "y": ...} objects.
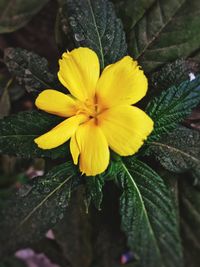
[{"x": 89, "y": 107}]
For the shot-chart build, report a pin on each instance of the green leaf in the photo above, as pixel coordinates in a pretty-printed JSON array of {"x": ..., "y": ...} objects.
[
  {"x": 73, "y": 233},
  {"x": 17, "y": 134},
  {"x": 94, "y": 24},
  {"x": 172, "y": 106},
  {"x": 172, "y": 74},
  {"x": 148, "y": 216},
  {"x": 12, "y": 261},
  {"x": 30, "y": 69},
  {"x": 94, "y": 187},
  {"x": 36, "y": 207},
  {"x": 179, "y": 151},
  {"x": 15, "y": 14},
  {"x": 190, "y": 221},
  {"x": 5, "y": 104},
  {"x": 132, "y": 11},
  {"x": 159, "y": 36}
]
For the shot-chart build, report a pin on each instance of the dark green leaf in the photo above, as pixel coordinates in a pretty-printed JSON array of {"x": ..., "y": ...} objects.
[
  {"x": 30, "y": 69},
  {"x": 173, "y": 74},
  {"x": 190, "y": 221},
  {"x": 15, "y": 14},
  {"x": 12, "y": 262},
  {"x": 148, "y": 216},
  {"x": 179, "y": 151},
  {"x": 36, "y": 207},
  {"x": 94, "y": 24},
  {"x": 132, "y": 11},
  {"x": 17, "y": 134},
  {"x": 172, "y": 106},
  {"x": 73, "y": 233},
  {"x": 5, "y": 100},
  {"x": 160, "y": 37},
  {"x": 94, "y": 187}
]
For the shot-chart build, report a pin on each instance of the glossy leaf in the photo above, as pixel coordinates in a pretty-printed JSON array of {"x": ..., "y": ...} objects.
[
  {"x": 17, "y": 134},
  {"x": 148, "y": 216},
  {"x": 172, "y": 106},
  {"x": 94, "y": 190},
  {"x": 94, "y": 24}
]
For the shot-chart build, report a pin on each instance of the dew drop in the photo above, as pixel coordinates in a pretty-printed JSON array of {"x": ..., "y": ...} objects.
[
  {"x": 79, "y": 37},
  {"x": 72, "y": 21},
  {"x": 61, "y": 215}
]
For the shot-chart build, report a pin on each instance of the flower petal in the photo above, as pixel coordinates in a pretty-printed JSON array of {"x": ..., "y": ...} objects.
[
  {"x": 57, "y": 103},
  {"x": 74, "y": 149},
  {"x": 122, "y": 82},
  {"x": 94, "y": 151},
  {"x": 125, "y": 128},
  {"x": 79, "y": 72},
  {"x": 61, "y": 133}
]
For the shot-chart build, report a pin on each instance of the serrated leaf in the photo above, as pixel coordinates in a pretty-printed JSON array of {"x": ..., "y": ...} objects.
[
  {"x": 17, "y": 134},
  {"x": 94, "y": 186},
  {"x": 172, "y": 106},
  {"x": 190, "y": 220},
  {"x": 15, "y": 14},
  {"x": 33, "y": 209},
  {"x": 94, "y": 24},
  {"x": 30, "y": 70},
  {"x": 148, "y": 216},
  {"x": 159, "y": 36},
  {"x": 179, "y": 151}
]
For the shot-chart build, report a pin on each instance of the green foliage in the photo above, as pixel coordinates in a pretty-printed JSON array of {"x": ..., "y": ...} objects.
[
  {"x": 132, "y": 11},
  {"x": 17, "y": 134},
  {"x": 148, "y": 216},
  {"x": 179, "y": 151},
  {"x": 95, "y": 25},
  {"x": 172, "y": 74},
  {"x": 94, "y": 187},
  {"x": 158, "y": 36},
  {"x": 73, "y": 233},
  {"x": 190, "y": 221},
  {"x": 12, "y": 262},
  {"x": 172, "y": 106},
  {"x": 15, "y": 14},
  {"x": 36, "y": 207},
  {"x": 30, "y": 69}
]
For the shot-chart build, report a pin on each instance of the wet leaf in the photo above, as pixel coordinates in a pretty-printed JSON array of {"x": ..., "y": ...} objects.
[
  {"x": 17, "y": 134},
  {"x": 30, "y": 70},
  {"x": 35, "y": 207},
  {"x": 149, "y": 216},
  {"x": 94, "y": 24}
]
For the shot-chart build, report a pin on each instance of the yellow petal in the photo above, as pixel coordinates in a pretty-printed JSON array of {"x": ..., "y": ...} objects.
[
  {"x": 57, "y": 103},
  {"x": 125, "y": 128},
  {"x": 74, "y": 149},
  {"x": 122, "y": 82},
  {"x": 94, "y": 151},
  {"x": 61, "y": 133},
  {"x": 79, "y": 72}
]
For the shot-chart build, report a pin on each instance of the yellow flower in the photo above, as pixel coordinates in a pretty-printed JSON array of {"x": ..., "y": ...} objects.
[{"x": 99, "y": 112}]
